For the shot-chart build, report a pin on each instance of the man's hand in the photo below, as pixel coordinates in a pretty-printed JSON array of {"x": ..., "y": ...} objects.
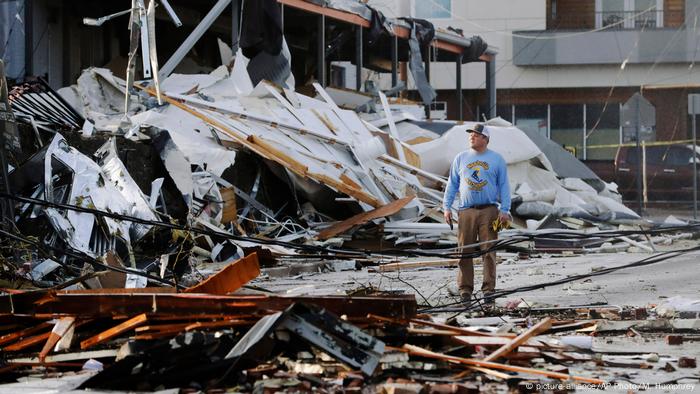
[
  {"x": 448, "y": 216},
  {"x": 504, "y": 217}
]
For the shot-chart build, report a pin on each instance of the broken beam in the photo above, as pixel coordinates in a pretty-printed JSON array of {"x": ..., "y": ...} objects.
[
  {"x": 418, "y": 351},
  {"x": 114, "y": 331},
  {"x": 540, "y": 327}
]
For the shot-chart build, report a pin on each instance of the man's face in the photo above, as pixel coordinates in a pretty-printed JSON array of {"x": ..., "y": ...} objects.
[{"x": 478, "y": 141}]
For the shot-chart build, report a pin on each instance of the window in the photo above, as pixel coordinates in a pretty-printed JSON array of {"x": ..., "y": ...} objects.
[
  {"x": 432, "y": 9},
  {"x": 567, "y": 126},
  {"x": 532, "y": 118},
  {"x": 679, "y": 156},
  {"x": 602, "y": 129},
  {"x": 629, "y": 14}
]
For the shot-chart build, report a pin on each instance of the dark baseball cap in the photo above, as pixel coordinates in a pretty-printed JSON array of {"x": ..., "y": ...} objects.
[{"x": 479, "y": 128}]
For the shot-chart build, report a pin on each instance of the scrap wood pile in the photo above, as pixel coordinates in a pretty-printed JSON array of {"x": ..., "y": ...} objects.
[{"x": 150, "y": 340}]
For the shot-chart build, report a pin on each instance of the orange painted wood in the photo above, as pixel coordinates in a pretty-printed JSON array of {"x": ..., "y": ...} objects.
[
  {"x": 386, "y": 210},
  {"x": 114, "y": 331},
  {"x": 231, "y": 278}
]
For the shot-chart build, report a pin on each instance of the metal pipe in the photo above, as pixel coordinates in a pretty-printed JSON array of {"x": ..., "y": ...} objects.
[
  {"x": 695, "y": 163},
  {"x": 458, "y": 62},
  {"x": 358, "y": 58},
  {"x": 394, "y": 60},
  {"x": 192, "y": 39},
  {"x": 321, "y": 40},
  {"x": 491, "y": 86}
]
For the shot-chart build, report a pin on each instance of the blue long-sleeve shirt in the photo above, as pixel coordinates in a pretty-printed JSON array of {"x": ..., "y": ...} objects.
[{"x": 480, "y": 178}]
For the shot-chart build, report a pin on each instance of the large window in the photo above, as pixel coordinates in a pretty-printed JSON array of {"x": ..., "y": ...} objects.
[
  {"x": 532, "y": 118},
  {"x": 589, "y": 131},
  {"x": 629, "y": 14},
  {"x": 432, "y": 9},
  {"x": 602, "y": 131},
  {"x": 567, "y": 127}
]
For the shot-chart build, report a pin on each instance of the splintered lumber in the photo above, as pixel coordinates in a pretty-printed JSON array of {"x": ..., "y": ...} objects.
[
  {"x": 231, "y": 278},
  {"x": 270, "y": 152},
  {"x": 27, "y": 342},
  {"x": 496, "y": 342},
  {"x": 540, "y": 327},
  {"x": 59, "y": 330},
  {"x": 386, "y": 210},
  {"x": 114, "y": 331},
  {"x": 9, "y": 338},
  {"x": 418, "y": 351},
  {"x": 458, "y": 330},
  {"x": 443, "y": 327}
]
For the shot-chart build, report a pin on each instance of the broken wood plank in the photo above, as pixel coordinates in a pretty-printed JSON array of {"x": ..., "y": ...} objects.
[
  {"x": 496, "y": 342},
  {"x": 230, "y": 278},
  {"x": 540, "y": 327},
  {"x": 9, "y": 338},
  {"x": 63, "y": 357},
  {"x": 26, "y": 342},
  {"x": 364, "y": 217},
  {"x": 114, "y": 331},
  {"x": 418, "y": 351},
  {"x": 62, "y": 326},
  {"x": 417, "y": 264},
  {"x": 459, "y": 330}
]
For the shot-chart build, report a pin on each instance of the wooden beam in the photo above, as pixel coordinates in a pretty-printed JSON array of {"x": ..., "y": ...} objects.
[
  {"x": 418, "y": 351},
  {"x": 364, "y": 217},
  {"x": 59, "y": 330},
  {"x": 114, "y": 331},
  {"x": 9, "y": 338},
  {"x": 343, "y": 16},
  {"x": 26, "y": 342},
  {"x": 538, "y": 328},
  {"x": 230, "y": 278}
]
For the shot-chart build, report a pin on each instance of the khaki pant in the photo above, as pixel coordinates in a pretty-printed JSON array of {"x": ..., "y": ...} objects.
[{"x": 477, "y": 223}]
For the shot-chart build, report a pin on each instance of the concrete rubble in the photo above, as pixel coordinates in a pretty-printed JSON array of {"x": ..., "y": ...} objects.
[{"x": 226, "y": 235}]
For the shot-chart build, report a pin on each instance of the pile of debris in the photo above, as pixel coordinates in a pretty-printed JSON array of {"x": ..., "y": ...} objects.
[
  {"x": 205, "y": 338},
  {"x": 131, "y": 236}
]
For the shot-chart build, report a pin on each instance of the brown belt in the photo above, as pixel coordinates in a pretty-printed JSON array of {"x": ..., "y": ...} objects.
[{"x": 483, "y": 206}]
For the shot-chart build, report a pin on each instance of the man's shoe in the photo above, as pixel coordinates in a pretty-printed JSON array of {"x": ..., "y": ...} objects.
[
  {"x": 466, "y": 298},
  {"x": 489, "y": 299}
]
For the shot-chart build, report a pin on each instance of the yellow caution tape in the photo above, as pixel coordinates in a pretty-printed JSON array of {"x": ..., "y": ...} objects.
[{"x": 644, "y": 143}]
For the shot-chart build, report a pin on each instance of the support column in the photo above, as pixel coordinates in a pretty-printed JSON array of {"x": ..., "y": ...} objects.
[
  {"x": 460, "y": 104},
  {"x": 358, "y": 58},
  {"x": 427, "y": 76},
  {"x": 236, "y": 24},
  {"x": 28, "y": 38},
  {"x": 491, "y": 87},
  {"x": 321, "y": 51},
  {"x": 394, "y": 61}
]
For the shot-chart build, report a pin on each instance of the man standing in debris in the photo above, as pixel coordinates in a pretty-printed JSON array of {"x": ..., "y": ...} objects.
[{"x": 480, "y": 175}]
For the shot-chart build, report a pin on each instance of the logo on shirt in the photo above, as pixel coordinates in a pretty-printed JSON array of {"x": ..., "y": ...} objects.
[{"x": 474, "y": 180}]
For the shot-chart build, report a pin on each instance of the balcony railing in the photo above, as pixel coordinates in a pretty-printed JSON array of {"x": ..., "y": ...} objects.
[
  {"x": 630, "y": 19},
  {"x": 618, "y": 20}
]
